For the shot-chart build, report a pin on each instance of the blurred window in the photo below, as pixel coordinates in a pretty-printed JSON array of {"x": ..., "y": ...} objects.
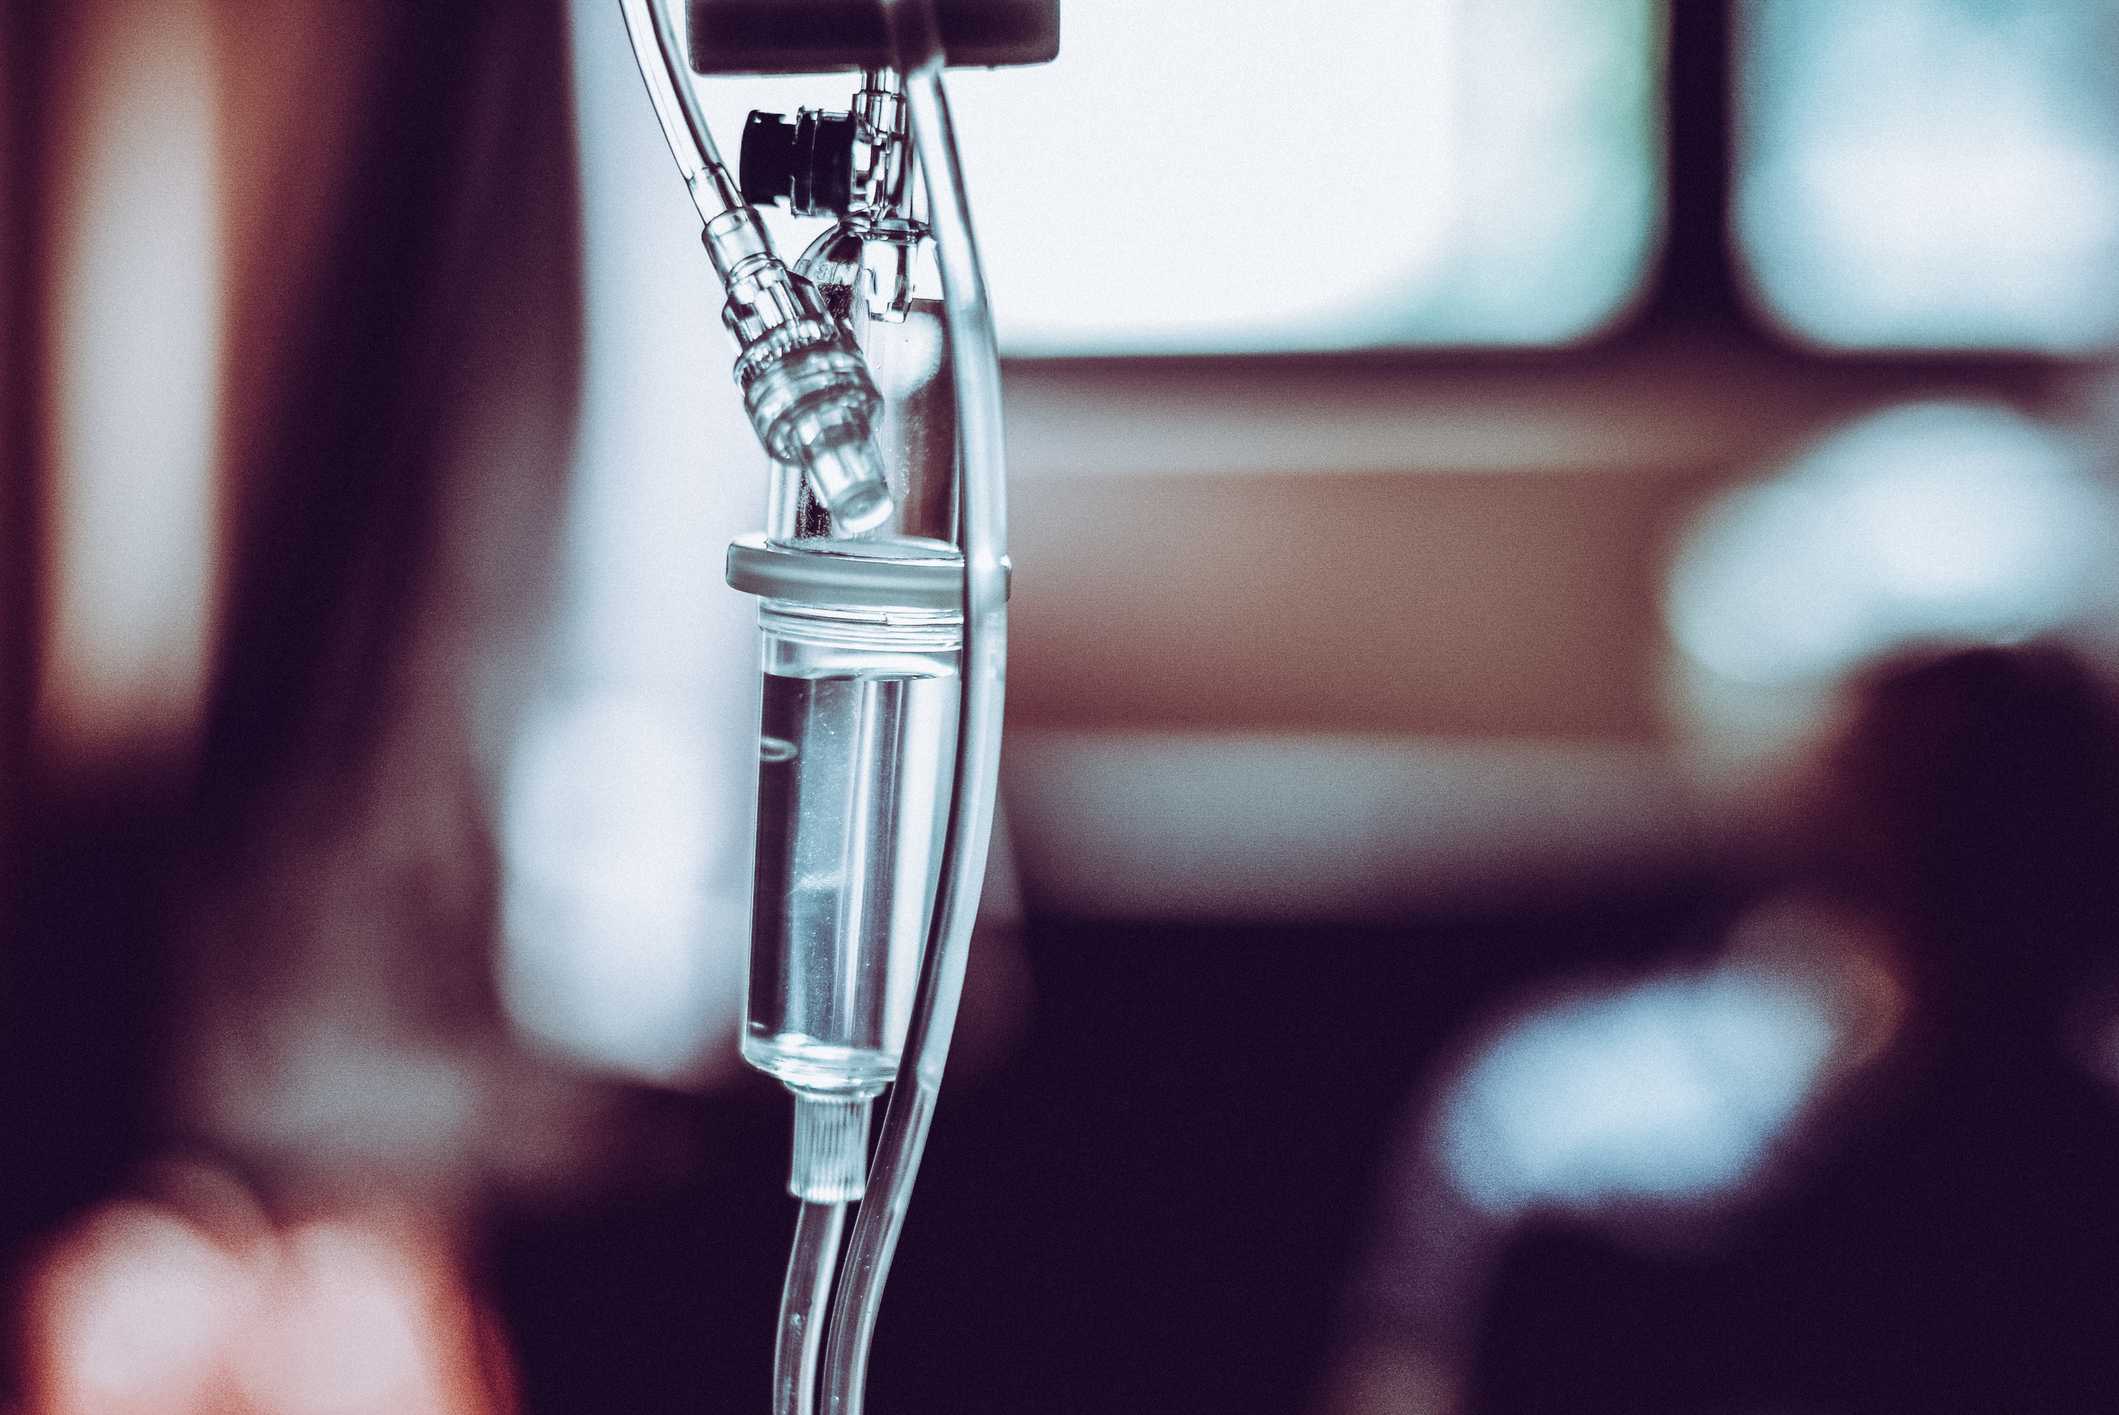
[
  {"x": 1932, "y": 173},
  {"x": 1928, "y": 523},
  {"x": 1270, "y": 175},
  {"x": 1225, "y": 176}
]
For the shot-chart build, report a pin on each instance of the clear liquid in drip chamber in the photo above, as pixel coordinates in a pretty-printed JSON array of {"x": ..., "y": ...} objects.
[{"x": 856, "y": 741}]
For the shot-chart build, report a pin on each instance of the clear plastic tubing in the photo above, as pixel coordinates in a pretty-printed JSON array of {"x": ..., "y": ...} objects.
[
  {"x": 806, "y": 388},
  {"x": 860, "y": 710},
  {"x": 810, "y": 1265},
  {"x": 970, "y": 818},
  {"x": 659, "y": 52}
]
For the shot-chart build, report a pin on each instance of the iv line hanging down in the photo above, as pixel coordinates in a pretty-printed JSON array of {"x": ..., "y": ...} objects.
[{"x": 883, "y": 619}]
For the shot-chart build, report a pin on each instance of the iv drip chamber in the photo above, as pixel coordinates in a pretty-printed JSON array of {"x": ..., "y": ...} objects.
[{"x": 857, "y": 734}]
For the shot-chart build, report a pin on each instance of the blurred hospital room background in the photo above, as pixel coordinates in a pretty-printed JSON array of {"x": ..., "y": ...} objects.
[{"x": 1558, "y": 795}]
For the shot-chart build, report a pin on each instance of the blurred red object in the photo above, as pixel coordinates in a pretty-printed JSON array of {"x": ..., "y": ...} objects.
[{"x": 200, "y": 1302}]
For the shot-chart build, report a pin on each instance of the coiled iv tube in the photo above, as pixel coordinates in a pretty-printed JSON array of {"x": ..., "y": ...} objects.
[{"x": 917, "y": 46}]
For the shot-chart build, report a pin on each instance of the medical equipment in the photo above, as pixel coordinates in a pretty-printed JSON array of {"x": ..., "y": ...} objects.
[
  {"x": 805, "y": 386},
  {"x": 882, "y": 581}
]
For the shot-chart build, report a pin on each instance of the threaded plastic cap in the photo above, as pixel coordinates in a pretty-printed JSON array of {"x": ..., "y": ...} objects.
[{"x": 830, "y": 1163}]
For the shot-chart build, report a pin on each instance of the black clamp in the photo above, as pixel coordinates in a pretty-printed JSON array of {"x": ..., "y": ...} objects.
[{"x": 807, "y": 163}]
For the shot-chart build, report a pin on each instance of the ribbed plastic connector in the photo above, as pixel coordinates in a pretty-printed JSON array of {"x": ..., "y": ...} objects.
[{"x": 831, "y": 1148}]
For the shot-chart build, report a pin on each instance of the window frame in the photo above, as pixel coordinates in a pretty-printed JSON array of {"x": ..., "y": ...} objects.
[{"x": 1694, "y": 296}]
